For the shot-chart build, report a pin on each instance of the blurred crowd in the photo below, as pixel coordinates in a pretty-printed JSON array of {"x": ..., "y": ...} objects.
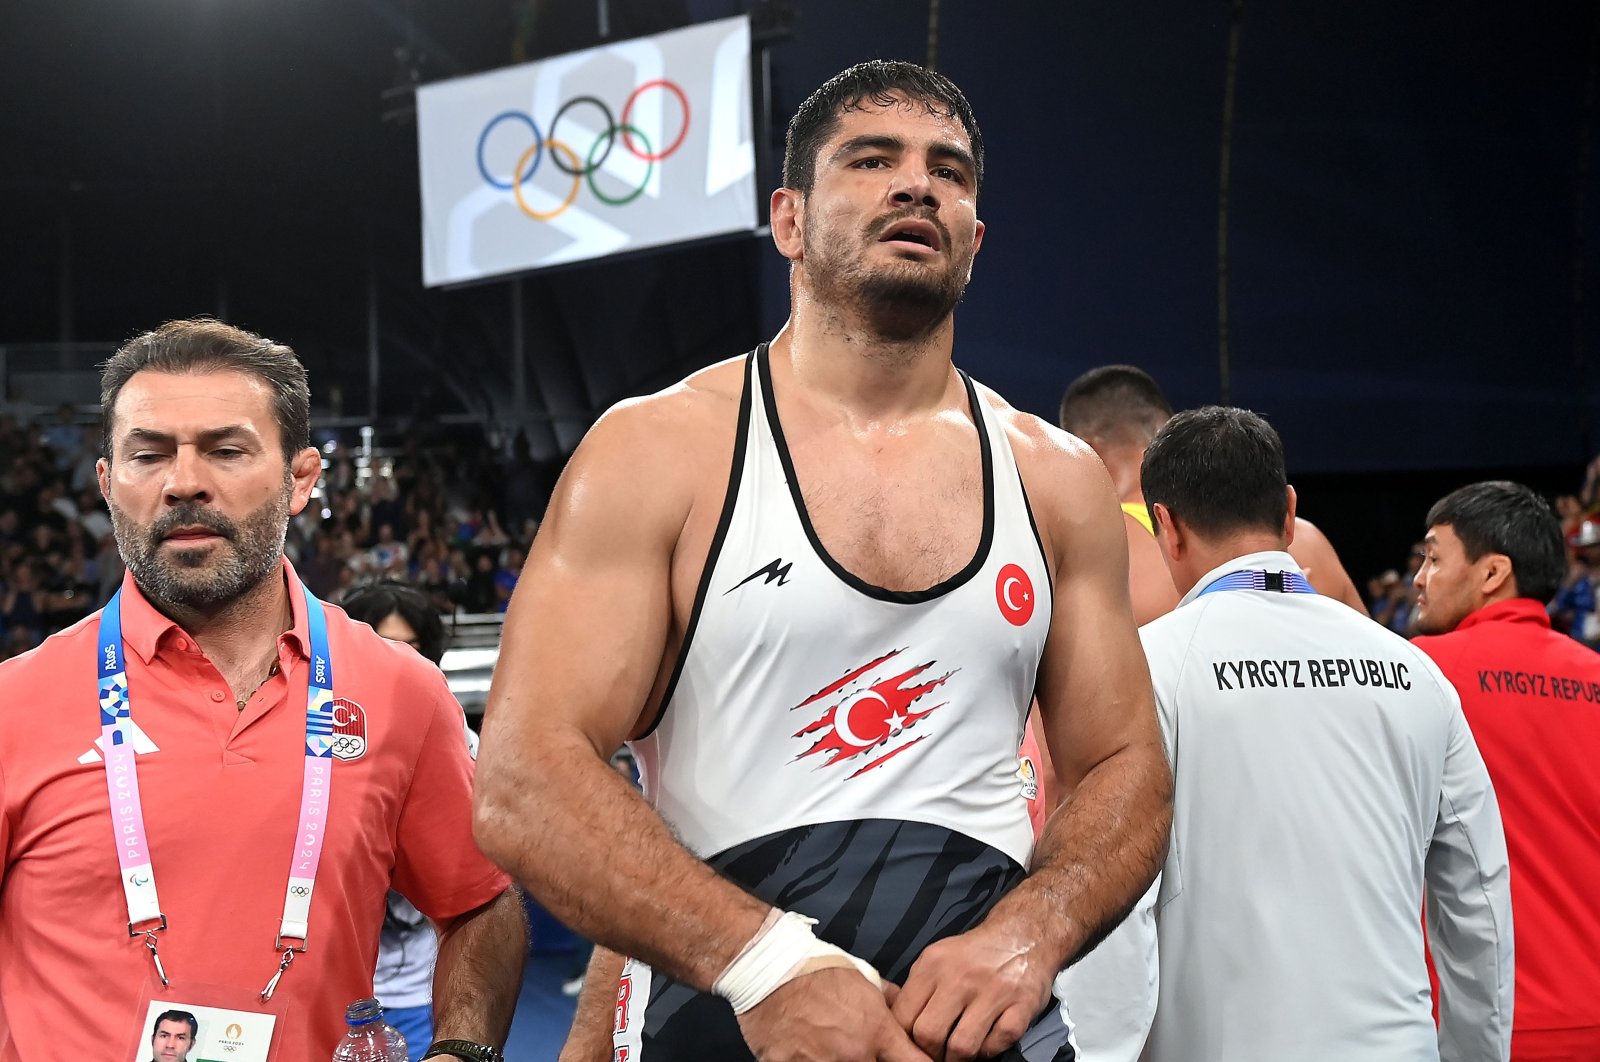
[
  {"x": 453, "y": 515},
  {"x": 1392, "y": 595},
  {"x": 453, "y": 518}
]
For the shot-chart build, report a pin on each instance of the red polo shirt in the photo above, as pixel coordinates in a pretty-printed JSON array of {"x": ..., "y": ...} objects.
[
  {"x": 1532, "y": 698},
  {"x": 221, "y": 792}
]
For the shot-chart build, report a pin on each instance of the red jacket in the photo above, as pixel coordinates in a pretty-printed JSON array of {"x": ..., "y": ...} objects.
[{"x": 1532, "y": 698}]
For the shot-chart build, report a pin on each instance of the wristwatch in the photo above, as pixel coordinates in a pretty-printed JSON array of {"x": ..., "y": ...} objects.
[{"x": 465, "y": 1049}]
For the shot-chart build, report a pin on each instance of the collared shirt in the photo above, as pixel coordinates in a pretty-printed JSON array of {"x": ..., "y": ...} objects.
[
  {"x": 221, "y": 792},
  {"x": 1532, "y": 697},
  {"x": 1323, "y": 774}
]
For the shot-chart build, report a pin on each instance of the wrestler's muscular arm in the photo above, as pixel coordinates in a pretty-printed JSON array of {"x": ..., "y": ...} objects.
[
  {"x": 585, "y": 639},
  {"x": 974, "y": 994}
]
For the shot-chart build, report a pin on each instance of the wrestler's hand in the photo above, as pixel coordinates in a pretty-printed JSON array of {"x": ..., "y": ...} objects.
[
  {"x": 974, "y": 995},
  {"x": 833, "y": 1015}
]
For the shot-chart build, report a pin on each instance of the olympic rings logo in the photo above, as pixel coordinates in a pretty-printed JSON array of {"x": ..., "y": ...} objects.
[
  {"x": 299, "y": 890},
  {"x": 529, "y": 160},
  {"x": 346, "y": 747}
]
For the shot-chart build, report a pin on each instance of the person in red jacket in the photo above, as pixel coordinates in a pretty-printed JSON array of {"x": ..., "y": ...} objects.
[{"x": 1493, "y": 559}]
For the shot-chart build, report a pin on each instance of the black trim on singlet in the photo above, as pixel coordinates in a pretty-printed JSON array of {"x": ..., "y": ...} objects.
[
  {"x": 735, "y": 473},
  {"x": 1044, "y": 559},
  {"x": 899, "y": 597}
]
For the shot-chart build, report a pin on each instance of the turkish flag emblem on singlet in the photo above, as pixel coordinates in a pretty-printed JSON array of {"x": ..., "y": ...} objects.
[{"x": 349, "y": 729}]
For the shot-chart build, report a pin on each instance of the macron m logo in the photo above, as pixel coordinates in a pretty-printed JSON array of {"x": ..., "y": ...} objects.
[{"x": 774, "y": 569}]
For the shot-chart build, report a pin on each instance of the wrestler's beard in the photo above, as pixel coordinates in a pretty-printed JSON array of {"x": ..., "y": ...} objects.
[
  {"x": 903, "y": 301},
  {"x": 204, "y": 578}
]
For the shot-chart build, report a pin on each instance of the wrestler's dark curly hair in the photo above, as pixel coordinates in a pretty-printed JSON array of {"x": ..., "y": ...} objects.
[{"x": 883, "y": 82}]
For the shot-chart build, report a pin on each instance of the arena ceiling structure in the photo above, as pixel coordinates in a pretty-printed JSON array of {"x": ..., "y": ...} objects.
[{"x": 1401, "y": 246}]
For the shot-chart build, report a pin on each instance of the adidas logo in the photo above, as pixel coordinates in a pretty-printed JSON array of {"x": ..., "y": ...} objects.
[{"x": 142, "y": 745}]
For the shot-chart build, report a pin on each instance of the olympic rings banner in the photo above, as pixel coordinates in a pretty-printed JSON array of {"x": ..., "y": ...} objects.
[{"x": 613, "y": 149}]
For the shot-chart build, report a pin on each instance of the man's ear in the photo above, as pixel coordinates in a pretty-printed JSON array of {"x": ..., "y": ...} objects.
[
  {"x": 1288, "y": 521},
  {"x": 1172, "y": 538},
  {"x": 304, "y": 471},
  {"x": 1498, "y": 578},
  {"x": 787, "y": 219}
]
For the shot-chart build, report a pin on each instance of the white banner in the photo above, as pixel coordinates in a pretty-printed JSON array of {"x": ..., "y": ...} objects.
[{"x": 614, "y": 149}]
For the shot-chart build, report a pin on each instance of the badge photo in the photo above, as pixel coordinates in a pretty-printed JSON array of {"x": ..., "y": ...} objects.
[{"x": 184, "y": 1031}]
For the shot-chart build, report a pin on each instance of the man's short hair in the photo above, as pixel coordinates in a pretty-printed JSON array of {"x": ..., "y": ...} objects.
[
  {"x": 372, "y": 603},
  {"x": 1119, "y": 403},
  {"x": 176, "y": 1015},
  {"x": 202, "y": 346},
  {"x": 1498, "y": 516},
  {"x": 1219, "y": 470},
  {"x": 884, "y": 83}
]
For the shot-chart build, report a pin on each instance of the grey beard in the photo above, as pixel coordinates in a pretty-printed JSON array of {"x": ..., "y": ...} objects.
[{"x": 253, "y": 552}]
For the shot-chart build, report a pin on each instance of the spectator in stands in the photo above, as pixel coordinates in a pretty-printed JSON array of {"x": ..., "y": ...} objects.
[
  {"x": 320, "y": 562},
  {"x": 64, "y": 437},
  {"x": 434, "y": 580},
  {"x": 387, "y": 556},
  {"x": 1573, "y": 608},
  {"x": 490, "y": 534},
  {"x": 1387, "y": 600},
  {"x": 385, "y": 508},
  {"x": 525, "y": 490},
  {"x": 481, "y": 592},
  {"x": 505, "y": 577},
  {"x": 24, "y": 605},
  {"x": 421, "y": 536}
]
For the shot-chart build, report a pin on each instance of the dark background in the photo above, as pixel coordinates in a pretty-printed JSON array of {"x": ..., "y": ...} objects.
[{"x": 1412, "y": 226}]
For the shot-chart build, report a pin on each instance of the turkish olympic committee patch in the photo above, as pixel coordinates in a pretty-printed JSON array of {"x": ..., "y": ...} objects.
[{"x": 349, "y": 729}]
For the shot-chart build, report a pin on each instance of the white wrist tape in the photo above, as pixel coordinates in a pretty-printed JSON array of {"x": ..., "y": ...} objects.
[{"x": 780, "y": 952}]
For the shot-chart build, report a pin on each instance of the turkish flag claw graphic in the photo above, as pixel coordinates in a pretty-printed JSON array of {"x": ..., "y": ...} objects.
[{"x": 865, "y": 713}]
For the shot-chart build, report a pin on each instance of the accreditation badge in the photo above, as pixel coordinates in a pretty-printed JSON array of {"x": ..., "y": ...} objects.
[{"x": 206, "y": 1023}]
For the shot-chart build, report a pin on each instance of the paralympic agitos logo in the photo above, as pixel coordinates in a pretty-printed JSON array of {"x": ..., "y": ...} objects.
[{"x": 546, "y": 143}]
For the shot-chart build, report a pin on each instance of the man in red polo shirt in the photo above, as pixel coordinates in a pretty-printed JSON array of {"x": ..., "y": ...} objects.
[
  {"x": 1493, "y": 559},
  {"x": 270, "y": 764}
]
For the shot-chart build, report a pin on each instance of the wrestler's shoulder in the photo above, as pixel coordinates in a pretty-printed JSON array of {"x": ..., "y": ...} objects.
[
  {"x": 1040, "y": 446},
  {"x": 692, "y": 418}
]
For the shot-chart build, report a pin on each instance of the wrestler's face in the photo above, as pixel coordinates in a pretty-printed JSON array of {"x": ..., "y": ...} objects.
[
  {"x": 171, "y": 1042},
  {"x": 890, "y": 224},
  {"x": 1449, "y": 586},
  {"x": 199, "y": 491}
]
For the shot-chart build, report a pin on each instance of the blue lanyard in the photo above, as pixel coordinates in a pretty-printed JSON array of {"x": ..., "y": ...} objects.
[
  {"x": 127, "y": 808},
  {"x": 1279, "y": 582}
]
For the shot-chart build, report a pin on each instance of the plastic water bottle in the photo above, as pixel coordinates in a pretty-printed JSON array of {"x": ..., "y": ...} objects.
[{"x": 369, "y": 1038}]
